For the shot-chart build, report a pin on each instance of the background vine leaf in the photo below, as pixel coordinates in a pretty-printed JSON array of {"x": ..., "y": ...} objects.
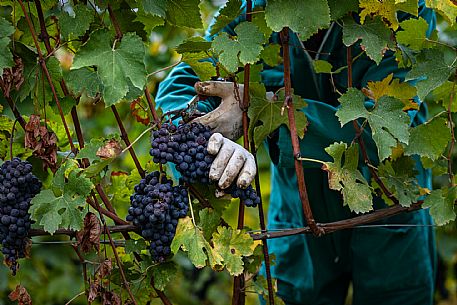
[
  {"x": 116, "y": 67},
  {"x": 289, "y": 13}
]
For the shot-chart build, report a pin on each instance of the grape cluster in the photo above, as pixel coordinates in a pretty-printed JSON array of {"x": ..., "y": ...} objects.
[
  {"x": 17, "y": 188},
  {"x": 185, "y": 146},
  {"x": 155, "y": 208}
]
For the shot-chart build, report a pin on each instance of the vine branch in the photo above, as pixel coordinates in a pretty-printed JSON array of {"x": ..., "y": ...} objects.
[
  {"x": 48, "y": 76},
  {"x": 288, "y": 102}
]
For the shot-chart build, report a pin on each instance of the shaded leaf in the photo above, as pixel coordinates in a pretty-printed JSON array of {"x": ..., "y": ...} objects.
[
  {"x": 209, "y": 220},
  {"x": 135, "y": 245},
  {"x": 200, "y": 64},
  {"x": 399, "y": 177},
  {"x": 78, "y": 23},
  {"x": 6, "y": 58},
  {"x": 193, "y": 45},
  {"x": 431, "y": 70},
  {"x": 429, "y": 139},
  {"x": 340, "y": 8},
  {"x": 289, "y": 13},
  {"x": 374, "y": 35},
  {"x": 322, "y": 66},
  {"x": 163, "y": 274},
  {"x": 155, "y": 7},
  {"x": 271, "y": 55},
  {"x": 266, "y": 116},
  {"x": 184, "y": 13},
  {"x": 227, "y": 13},
  {"x": 244, "y": 48}
]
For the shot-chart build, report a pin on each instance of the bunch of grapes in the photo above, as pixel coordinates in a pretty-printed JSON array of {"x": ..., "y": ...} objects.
[
  {"x": 185, "y": 146},
  {"x": 155, "y": 208},
  {"x": 17, "y": 188}
]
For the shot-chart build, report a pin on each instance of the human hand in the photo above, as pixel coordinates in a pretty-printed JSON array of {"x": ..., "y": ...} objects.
[
  {"x": 232, "y": 162},
  {"x": 227, "y": 118}
]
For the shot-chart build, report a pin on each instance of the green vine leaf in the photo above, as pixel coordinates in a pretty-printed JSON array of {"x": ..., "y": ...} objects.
[
  {"x": 244, "y": 48},
  {"x": 191, "y": 240},
  {"x": 232, "y": 246},
  {"x": 115, "y": 66},
  {"x": 441, "y": 204},
  {"x": 90, "y": 150},
  {"x": 229, "y": 12},
  {"x": 46, "y": 206},
  {"x": 200, "y": 64},
  {"x": 387, "y": 120},
  {"x": 340, "y": 8},
  {"x": 193, "y": 45},
  {"x": 78, "y": 23},
  {"x": 344, "y": 176},
  {"x": 209, "y": 220},
  {"x": 444, "y": 94},
  {"x": 83, "y": 81},
  {"x": 399, "y": 177},
  {"x": 374, "y": 35},
  {"x": 155, "y": 7},
  {"x": 413, "y": 34},
  {"x": 184, "y": 13},
  {"x": 431, "y": 70},
  {"x": 135, "y": 245},
  {"x": 62, "y": 210},
  {"x": 429, "y": 139},
  {"x": 6, "y": 58},
  {"x": 163, "y": 274},
  {"x": 271, "y": 55},
  {"x": 266, "y": 116},
  {"x": 289, "y": 13},
  {"x": 322, "y": 66}
]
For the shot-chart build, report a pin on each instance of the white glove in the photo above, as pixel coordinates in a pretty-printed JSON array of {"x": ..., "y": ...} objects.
[
  {"x": 232, "y": 161},
  {"x": 227, "y": 118}
]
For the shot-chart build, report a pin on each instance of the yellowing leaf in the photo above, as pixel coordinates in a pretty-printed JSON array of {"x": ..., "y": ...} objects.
[
  {"x": 266, "y": 116},
  {"x": 190, "y": 239},
  {"x": 232, "y": 245},
  {"x": 392, "y": 87},
  {"x": 387, "y": 9},
  {"x": 447, "y": 8}
]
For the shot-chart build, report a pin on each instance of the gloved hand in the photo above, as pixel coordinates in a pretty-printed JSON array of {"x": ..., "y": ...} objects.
[
  {"x": 227, "y": 118},
  {"x": 232, "y": 161}
]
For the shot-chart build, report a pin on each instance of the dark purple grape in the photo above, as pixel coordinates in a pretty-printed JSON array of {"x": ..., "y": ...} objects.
[
  {"x": 185, "y": 146},
  {"x": 155, "y": 208},
  {"x": 18, "y": 187}
]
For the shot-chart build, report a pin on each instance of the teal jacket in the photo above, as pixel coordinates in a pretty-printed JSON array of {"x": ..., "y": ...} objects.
[{"x": 305, "y": 265}]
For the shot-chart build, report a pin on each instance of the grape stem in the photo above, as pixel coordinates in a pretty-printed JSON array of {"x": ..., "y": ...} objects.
[
  {"x": 138, "y": 138},
  {"x": 311, "y": 160},
  {"x": 191, "y": 209},
  {"x": 11, "y": 139}
]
